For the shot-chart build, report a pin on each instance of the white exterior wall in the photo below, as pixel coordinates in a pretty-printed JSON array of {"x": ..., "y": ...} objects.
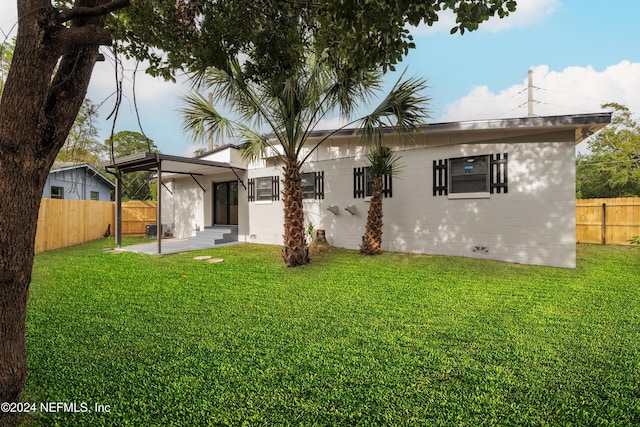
[
  {"x": 189, "y": 207},
  {"x": 183, "y": 210},
  {"x": 534, "y": 223},
  {"x": 266, "y": 218}
]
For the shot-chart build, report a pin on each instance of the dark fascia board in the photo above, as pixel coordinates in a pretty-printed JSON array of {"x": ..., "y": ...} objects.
[
  {"x": 597, "y": 120},
  {"x": 149, "y": 161},
  {"x": 575, "y": 120},
  {"x": 88, "y": 167}
]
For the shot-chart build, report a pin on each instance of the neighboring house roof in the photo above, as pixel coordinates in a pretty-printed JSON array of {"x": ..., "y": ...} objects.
[{"x": 66, "y": 166}]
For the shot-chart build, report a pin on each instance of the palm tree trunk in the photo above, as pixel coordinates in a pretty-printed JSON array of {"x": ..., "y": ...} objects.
[
  {"x": 372, "y": 239},
  {"x": 295, "y": 251}
]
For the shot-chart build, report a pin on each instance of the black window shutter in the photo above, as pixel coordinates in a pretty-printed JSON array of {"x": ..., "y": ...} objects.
[
  {"x": 275, "y": 188},
  {"x": 359, "y": 183},
  {"x": 319, "y": 185},
  {"x": 440, "y": 177},
  {"x": 499, "y": 173},
  {"x": 251, "y": 189}
]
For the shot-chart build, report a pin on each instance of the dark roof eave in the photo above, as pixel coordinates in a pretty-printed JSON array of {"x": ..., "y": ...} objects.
[{"x": 597, "y": 120}]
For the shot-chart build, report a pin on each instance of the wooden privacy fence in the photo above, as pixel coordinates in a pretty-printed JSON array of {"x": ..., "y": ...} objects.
[
  {"x": 63, "y": 223},
  {"x": 135, "y": 217},
  {"x": 607, "y": 221}
]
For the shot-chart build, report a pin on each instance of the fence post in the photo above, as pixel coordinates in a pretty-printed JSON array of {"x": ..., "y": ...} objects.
[{"x": 604, "y": 223}]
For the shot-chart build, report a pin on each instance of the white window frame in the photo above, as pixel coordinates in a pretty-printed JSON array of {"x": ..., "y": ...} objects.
[
  {"x": 310, "y": 192},
  {"x": 264, "y": 193}
]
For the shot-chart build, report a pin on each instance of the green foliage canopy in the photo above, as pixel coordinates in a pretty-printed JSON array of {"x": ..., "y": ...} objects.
[
  {"x": 275, "y": 35},
  {"x": 612, "y": 168},
  {"x": 135, "y": 185},
  {"x": 82, "y": 145}
]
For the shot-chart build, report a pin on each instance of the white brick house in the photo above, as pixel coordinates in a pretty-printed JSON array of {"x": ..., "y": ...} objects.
[{"x": 494, "y": 189}]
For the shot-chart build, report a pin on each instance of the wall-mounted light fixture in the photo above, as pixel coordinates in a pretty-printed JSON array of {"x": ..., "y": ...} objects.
[
  {"x": 333, "y": 209},
  {"x": 351, "y": 209}
]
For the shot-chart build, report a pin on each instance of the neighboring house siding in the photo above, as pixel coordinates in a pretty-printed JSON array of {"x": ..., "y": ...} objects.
[{"x": 78, "y": 184}]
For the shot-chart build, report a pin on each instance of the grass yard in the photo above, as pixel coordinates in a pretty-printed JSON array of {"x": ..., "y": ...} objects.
[{"x": 347, "y": 340}]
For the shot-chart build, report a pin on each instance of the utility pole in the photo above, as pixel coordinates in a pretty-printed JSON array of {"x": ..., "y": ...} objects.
[
  {"x": 210, "y": 139},
  {"x": 530, "y": 92}
]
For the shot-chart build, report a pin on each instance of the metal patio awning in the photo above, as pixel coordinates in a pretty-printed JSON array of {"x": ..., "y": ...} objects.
[
  {"x": 160, "y": 163},
  {"x": 170, "y": 164}
]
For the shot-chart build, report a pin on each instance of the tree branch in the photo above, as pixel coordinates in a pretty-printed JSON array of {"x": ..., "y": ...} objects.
[
  {"x": 87, "y": 12},
  {"x": 88, "y": 35}
]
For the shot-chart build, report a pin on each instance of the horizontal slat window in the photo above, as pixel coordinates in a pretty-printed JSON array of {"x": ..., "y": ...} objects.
[
  {"x": 469, "y": 175},
  {"x": 266, "y": 188},
  {"x": 313, "y": 185},
  {"x": 473, "y": 174}
]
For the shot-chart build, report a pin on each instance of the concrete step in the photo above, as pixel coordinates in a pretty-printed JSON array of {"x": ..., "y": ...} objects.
[{"x": 218, "y": 234}]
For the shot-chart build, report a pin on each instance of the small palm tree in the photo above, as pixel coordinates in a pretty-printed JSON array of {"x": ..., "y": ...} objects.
[
  {"x": 382, "y": 161},
  {"x": 292, "y": 108}
]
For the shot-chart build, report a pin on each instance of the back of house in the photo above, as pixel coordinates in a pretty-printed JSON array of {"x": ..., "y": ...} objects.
[{"x": 495, "y": 189}]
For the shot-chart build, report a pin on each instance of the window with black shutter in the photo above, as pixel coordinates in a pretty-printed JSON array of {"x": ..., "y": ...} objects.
[
  {"x": 313, "y": 185},
  {"x": 472, "y": 174},
  {"x": 363, "y": 183},
  {"x": 266, "y": 188}
]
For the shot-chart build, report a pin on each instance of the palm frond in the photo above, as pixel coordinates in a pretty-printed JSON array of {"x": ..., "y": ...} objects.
[
  {"x": 254, "y": 145},
  {"x": 201, "y": 119},
  {"x": 351, "y": 87},
  {"x": 383, "y": 161},
  {"x": 403, "y": 108}
]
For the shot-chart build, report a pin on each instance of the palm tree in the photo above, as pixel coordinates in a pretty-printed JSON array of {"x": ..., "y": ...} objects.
[
  {"x": 292, "y": 107},
  {"x": 382, "y": 161}
]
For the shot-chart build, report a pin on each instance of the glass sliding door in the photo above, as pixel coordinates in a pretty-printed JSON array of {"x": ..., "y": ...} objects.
[{"x": 225, "y": 203}]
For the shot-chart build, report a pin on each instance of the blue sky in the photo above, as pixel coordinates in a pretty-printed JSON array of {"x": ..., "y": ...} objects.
[{"x": 583, "y": 53}]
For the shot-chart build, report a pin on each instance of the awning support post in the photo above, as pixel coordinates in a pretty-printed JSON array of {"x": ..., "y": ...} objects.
[
  {"x": 159, "y": 208},
  {"x": 118, "y": 209}
]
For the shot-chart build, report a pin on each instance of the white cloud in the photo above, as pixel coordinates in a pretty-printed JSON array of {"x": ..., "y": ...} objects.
[
  {"x": 573, "y": 90},
  {"x": 528, "y": 13}
]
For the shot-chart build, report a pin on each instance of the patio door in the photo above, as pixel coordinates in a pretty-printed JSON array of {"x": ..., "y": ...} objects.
[{"x": 225, "y": 203}]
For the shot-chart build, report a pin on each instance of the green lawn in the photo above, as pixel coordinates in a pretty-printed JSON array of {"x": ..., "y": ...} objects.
[{"x": 347, "y": 340}]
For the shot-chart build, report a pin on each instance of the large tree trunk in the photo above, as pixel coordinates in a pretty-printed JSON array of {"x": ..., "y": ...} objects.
[
  {"x": 372, "y": 239},
  {"x": 295, "y": 251},
  {"x": 37, "y": 111}
]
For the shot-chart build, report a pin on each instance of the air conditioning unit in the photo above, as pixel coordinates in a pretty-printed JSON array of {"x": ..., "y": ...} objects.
[{"x": 152, "y": 230}]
